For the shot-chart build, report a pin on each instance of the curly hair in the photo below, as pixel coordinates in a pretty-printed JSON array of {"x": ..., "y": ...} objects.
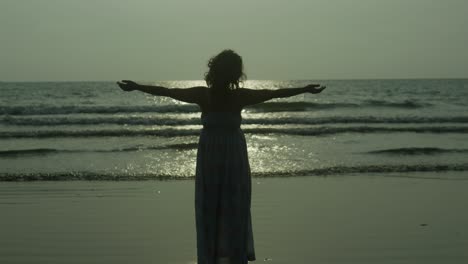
[{"x": 226, "y": 70}]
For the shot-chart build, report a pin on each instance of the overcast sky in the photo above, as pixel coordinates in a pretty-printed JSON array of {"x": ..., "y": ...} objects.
[{"x": 59, "y": 40}]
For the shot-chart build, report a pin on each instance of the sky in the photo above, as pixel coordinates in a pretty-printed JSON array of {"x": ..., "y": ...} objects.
[{"x": 102, "y": 40}]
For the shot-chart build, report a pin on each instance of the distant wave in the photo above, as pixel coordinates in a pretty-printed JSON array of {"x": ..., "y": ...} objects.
[
  {"x": 59, "y": 110},
  {"x": 418, "y": 151},
  {"x": 402, "y": 104},
  {"x": 21, "y": 152},
  {"x": 190, "y": 108},
  {"x": 323, "y": 172},
  {"x": 305, "y": 106},
  {"x": 297, "y": 106},
  {"x": 308, "y": 131},
  {"x": 47, "y": 151},
  {"x": 165, "y": 121}
]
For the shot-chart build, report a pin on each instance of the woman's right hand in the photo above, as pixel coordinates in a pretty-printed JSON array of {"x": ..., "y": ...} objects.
[
  {"x": 315, "y": 88},
  {"x": 128, "y": 85}
]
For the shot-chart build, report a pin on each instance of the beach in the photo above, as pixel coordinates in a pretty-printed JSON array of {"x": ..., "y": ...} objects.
[{"x": 352, "y": 219}]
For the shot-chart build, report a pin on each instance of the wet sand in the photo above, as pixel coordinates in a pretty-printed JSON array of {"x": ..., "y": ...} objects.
[{"x": 346, "y": 219}]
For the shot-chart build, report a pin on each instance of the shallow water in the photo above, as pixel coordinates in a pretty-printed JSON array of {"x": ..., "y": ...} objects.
[{"x": 93, "y": 130}]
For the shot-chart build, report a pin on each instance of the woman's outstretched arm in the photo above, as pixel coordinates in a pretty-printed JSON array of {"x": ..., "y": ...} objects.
[
  {"x": 251, "y": 97},
  {"x": 193, "y": 95}
]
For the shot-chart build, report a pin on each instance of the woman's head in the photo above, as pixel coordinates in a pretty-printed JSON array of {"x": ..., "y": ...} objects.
[{"x": 225, "y": 70}]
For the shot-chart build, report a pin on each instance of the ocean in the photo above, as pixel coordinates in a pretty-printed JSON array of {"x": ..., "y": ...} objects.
[{"x": 96, "y": 131}]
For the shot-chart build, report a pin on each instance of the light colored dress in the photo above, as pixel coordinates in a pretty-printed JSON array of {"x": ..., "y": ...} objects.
[{"x": 223, "y": 192}]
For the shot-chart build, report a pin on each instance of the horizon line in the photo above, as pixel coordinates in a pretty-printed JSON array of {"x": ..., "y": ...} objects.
[{"x": 317, "y": 79}]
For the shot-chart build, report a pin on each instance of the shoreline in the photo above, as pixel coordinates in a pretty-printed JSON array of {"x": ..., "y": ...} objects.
[{"x": 417, "y": 171}]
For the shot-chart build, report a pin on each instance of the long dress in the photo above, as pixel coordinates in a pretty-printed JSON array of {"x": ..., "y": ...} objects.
[{"x": 223, "y": 192}]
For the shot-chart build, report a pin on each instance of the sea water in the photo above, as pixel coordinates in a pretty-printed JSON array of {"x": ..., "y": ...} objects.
[{"x": 96, "y": 131}]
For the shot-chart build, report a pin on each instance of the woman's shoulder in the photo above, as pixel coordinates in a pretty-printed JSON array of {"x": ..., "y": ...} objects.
[
  {"x": 243, "y": 90},
  {"x": 246, "y": 91}
]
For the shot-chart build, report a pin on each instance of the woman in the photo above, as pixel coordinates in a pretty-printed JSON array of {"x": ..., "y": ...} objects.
[{"x": 222, "y": 178}]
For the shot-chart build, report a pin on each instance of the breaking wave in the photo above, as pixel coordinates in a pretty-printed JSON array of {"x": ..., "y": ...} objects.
[
  {"x": 170, "y": 132},
  {"x": 321, "y": 172}
]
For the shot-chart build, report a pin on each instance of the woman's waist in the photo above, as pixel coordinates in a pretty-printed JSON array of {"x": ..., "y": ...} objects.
[
  {"x": 233, "y": 128},
  {"x": 221, "y": 124},
  {"x": 222, "y": 131}
]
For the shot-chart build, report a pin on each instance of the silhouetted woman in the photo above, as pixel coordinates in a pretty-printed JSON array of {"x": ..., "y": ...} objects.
[{"x": 222, "y": 178}]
